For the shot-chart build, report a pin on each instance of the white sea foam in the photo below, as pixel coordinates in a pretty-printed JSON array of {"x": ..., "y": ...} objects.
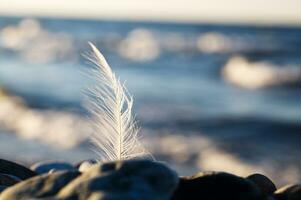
[
  {"x": 218, "y": 42},
  {"x": 139, "y": 45},
  {"x": 253, "y": 75},
  {"x": 37, "y": 135},
  {"x": 35, "y": 44},
  {"x": 61, "y": 129}
]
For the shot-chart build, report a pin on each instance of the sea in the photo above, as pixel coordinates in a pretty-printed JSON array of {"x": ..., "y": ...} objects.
[{"x": 208, "y": 97}]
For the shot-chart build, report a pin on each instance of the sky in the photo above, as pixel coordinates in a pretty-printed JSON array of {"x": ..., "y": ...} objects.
[{"x": 216, "y": 11}]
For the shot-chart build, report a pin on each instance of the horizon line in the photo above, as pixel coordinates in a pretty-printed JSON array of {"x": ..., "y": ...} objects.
[{"x": 162, "y": 20}]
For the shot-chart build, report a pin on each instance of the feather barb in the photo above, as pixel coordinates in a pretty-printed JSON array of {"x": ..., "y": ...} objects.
[{"x": 110, "y": 104}]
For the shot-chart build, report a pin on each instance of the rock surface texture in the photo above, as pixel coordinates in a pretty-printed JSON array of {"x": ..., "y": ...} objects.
[
  {"x": 131, "y": 180},
  {"x": 14, "y": 169},
  {"x": 12, "y": 173},
  {"x": 217, "y": 186},
  {"x": 39, "y": 187},
  {"x": 263, "y": 183},
  {"x": 128, "y": 180},
  {"x": 45, "y": 167},
  {"x": 290, "y": 192}
]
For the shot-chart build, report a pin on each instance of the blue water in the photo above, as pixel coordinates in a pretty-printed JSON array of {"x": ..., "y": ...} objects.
[{"x": 182, "y": 87}]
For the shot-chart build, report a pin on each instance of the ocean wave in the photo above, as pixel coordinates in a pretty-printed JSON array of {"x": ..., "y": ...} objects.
[
  {"x": 139, "y": 45},
  {"x": 48, "y": 134},
  {"x": 35, "y": 44},
  {"x": 217, "y": 42},
  {"x": 192, "y": 152},
  {"x": 254, "y": 75},
  {"x": 56, "y": 128}
]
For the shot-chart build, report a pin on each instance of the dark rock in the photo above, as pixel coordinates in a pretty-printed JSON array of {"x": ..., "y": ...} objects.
[
  {"x": 45, "y": 167},
  {"x": 8, "y": 180},
  {"x": 42, "y": 187},
  {"x": 290, "y": 192},
  {"x": 263, "y": 183},
  {"x": 217, "y": 186},
  {"x": 126, "y": 180},
  {"x": 11, "y": 168}
]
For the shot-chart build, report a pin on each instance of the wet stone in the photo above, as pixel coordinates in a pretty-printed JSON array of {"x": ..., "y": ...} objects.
[
  {"x": 2, "y": 187},
  {"x": 263, "y": 182},
  {"x": 290, "y": 192},
  {"x": 8, "y": 180},
  {"x": 217, "y": 186},
  {"x": 43, "y": 186},
  {"x": 126, "y": 180},
  {"x": 45, "y": 167},
  {"x": 86, "y": 165},
  {"x": 16, "y": 170}
]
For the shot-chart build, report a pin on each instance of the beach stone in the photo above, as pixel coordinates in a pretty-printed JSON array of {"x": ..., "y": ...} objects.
[
  {"x": 41, "y": 187},
  {"x": 263, "y": 183},
  {"x": 14, "y": 169},
  {"x": 2, "y": 187},
  {"x": 290, "y": 192},
  {"x": 217, "y": 186},
  {"x": 45, "y": 167},
  {"x": 8, "y": 180},
  {"x": 126, "y": 180},
  {"x": 86, "y": 165}
]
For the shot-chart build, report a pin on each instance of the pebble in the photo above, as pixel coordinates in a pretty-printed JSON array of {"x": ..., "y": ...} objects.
[
  {"x": 126, "y": 180},
  {"x": 16, "y": 170},
  {"x": 2, "y": 187},
  {"x": 263, "y": 182},
  {"x": 217, "y": 186},
  {"x": 86, "y": 165},
  {"x": 51, "y": 166},
  {"x": 131, "y": 180},
  {"x": 8, "y": 180},
  {"x": 41, "y": 187},
  {"x": 289, "y": 192}
]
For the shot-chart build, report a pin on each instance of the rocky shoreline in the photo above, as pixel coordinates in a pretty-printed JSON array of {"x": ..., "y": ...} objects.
[{"x": 133, "y": 179}]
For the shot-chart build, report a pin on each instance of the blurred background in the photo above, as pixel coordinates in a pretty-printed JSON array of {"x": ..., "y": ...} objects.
[{"x": 217, "y": 84}]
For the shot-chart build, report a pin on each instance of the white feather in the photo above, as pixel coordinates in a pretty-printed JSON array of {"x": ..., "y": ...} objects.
[{"x": 115, "y": 130}]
